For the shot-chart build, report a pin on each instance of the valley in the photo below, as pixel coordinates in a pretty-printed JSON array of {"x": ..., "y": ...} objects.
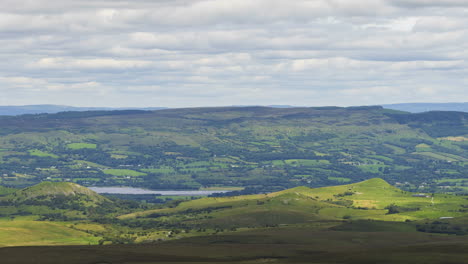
[
  {"x": 234, "y": 185},
  {"x": 253, "y": 149}
]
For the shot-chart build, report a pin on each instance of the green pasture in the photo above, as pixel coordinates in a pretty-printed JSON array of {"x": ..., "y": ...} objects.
[
  {"x": 81, "y": 146},
  {"x": 339, "y": 179},
  {"x": 163, "y": 170},
  {"x": 306, "y": 162},
  {"x": 40, "y": 153},
  {"x": 34, "y": 233},
  {"x": 123, "y": 172}
]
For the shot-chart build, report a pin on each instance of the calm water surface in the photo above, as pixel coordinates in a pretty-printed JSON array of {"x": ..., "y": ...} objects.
[{"x": 131, "y": 190}]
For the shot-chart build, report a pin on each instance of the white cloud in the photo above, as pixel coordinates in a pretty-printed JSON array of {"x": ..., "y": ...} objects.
[
  {"x": 426, "y": 65},
  {"x": 89, "y": 64},
  {"x": 214, "y": 52},
  {"x": 439, "y": 23},
  {"x": 430, "y": 3}
]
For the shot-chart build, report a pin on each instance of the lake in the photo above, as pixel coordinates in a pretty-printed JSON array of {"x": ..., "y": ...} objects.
[{"x": 131, "y": 190}]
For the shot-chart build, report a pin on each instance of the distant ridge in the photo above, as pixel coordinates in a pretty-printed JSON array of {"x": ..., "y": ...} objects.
[
  {"x": 426, "y": 107},
  {"x": 52, "y": 109},
  {"x": 11, "y": 110}
]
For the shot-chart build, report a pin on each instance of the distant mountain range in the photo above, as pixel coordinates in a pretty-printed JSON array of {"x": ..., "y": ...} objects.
[
  {"x": 425, "y": 107},
  {"x": 52, "y": 109}
]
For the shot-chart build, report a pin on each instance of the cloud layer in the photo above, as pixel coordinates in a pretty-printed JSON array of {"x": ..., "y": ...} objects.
[{"x": 221, "y": 52}]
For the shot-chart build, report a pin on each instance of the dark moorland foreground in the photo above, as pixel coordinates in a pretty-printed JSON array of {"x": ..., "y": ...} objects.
[{"x": 282, "y": 245}]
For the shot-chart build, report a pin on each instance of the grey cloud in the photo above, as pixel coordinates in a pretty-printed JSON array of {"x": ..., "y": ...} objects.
[
  {"x": 194, "y": 52},
  {"x": 429, "y": 3}
]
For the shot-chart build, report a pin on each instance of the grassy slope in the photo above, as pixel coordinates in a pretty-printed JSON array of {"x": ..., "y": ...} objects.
[
  {"x": 6, "y": 190},
  {"x": 365, "y": 200},
  {"x": 18, "y": 230},
  {"x": 49, "y": 190},
  {"x": 59, "y": 200},
  {"x": 307, "y": 218},
  {"x": 24, "y": 233}
]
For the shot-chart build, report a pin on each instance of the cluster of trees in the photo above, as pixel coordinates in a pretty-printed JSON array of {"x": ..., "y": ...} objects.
[{"x": 443, "y": 228}]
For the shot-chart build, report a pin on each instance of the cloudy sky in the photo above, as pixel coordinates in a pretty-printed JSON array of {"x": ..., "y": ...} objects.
[{"x": 178, "y": 53}]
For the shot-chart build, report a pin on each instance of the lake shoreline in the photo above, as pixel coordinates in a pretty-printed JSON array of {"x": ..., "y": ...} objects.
[{"x": 140, "y": 191}]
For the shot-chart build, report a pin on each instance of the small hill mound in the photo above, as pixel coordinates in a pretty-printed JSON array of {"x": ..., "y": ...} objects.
[
  {"x": 375, "y": 183},
  {"x": 373, "y": 187},
  {"x": 57, "y": 192}
]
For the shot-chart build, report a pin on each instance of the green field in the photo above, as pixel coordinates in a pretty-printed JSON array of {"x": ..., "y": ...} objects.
[
  {"x": 339, "y": 179},
  {"x": 437, "y": 156},
  {"x": 27, "y": 233},
  {"x": 305, "y": 162},
  {"x": 452, "y": 180},
  {"x": 163, "y": 170},
  {"x": 124, "y": 172},
  {"x": 40, "y": 153},
  {"x": 81, "y": 146}
]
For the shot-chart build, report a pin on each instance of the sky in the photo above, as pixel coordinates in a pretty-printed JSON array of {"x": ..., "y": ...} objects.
[{"x": 183, "y": 53}]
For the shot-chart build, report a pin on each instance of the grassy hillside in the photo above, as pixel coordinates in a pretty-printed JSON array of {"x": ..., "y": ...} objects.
[
  {"x": 49, "y": 191},
  {"x": 262, "y": 149},
  {"x": 373, "y": 199},
  {"x": 5, "y": 190},
  {"x": 55, "y": 201},
  {"x": 27, "y": 233},
  {"x": 60, "y": 213},
  {"x": 373, "y": 212}
]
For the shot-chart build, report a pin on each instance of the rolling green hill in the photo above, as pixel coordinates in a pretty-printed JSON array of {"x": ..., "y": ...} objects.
[
  {"x": 52, "y": 191},
  {"x": 55, "y": 201},
  {"x": 35, "y": 233},
  {"x": 372, "y": 199},
  {"x": 259, "y": 148},
  {"x": 369, "y": 217},
  {"x": 5, "y": 191},
  {"x": 365, "y": 222}
]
